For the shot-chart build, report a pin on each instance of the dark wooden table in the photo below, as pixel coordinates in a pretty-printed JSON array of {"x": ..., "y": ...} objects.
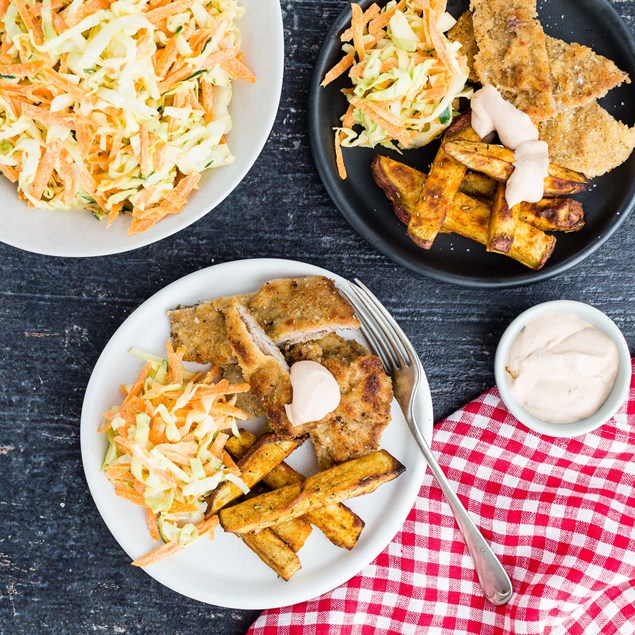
[{"x": 60, "y": 569}]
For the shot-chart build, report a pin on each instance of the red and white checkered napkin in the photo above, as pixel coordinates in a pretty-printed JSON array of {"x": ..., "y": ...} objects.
[{"x": 560, "y": 514}]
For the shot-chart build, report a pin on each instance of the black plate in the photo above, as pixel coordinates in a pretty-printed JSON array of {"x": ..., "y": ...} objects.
[{"x": 453, "y": 258}]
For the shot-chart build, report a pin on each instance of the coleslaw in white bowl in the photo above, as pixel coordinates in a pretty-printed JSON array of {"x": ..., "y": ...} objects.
[{"x": 240, "y": 128}]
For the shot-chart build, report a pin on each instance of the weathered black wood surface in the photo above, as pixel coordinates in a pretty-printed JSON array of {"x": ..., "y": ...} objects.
[{"x": 60, "y": 569}]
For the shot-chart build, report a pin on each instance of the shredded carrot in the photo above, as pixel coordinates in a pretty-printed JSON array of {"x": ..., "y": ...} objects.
[
  {"x": 159, "y": 155},
  {"x": 175, "y": 367},
  {"x": 229, "y": 462},
  {"x": 129, "y": 494},
  {"x": 156, "y": 15},
  {"x": 382, "y": 20},
  {"x": 358, "y": 31},
  {"x": 218, "y": 444},
  {"x": 164, "y": 58},
  {"x": 153, "y": 527},
  {"x": 237, "y": 70},
  {"x": 339, "y": 157},
  {"x": 164, "y": 551},
  {"x": 438, "y": 39},
  {"x": 138, "y": 384},
  {"x": 28, "y": 22},
  {"x": 347, "y": 119},
  {"x": 369, "y": 14},
  {"x": 144, "y": 143},
  {"x": 207, "y": 97},
  {"x": 45, "y": 169},
  {"x": 9, "y": 172},
  {"x": 205, "y": 528},
  {"x": 187, "y": 184},
  {"x": 339, "y": 69},
  {"x": 21, "y": 70}
]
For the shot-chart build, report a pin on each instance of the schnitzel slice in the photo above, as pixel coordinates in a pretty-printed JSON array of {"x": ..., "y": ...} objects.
[
  {"x": 246, "y": 401},
  {"x": 579, "y": 75},
  {"x": 588, "y": 139},
  {"x": 512, "y": 54},
  {"x": 264, "y": 368},
  {"x": 463, "y": 32},
  {"x": 293, "y": 310},
  {"x": 355, "y": 427},
  {"x": 200, "y": 331}
]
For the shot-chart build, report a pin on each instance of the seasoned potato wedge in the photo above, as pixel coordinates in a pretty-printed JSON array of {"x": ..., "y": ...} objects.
[
  {"x": 338, "y": 523},
  {"x": 438, "y": 191},
  {"x": 497, "y": 162},
  {"x": 478, "y": 184},
  {"x": 502, "y": 223},
  {"x": 468, "y": 217},
  {"x": 294, "y": 532},
  {"x": 263, "y": 456},
  {"x": 553, "y": 214},
  {"x": 274, "y": 552},
  {"x": 339, "y": 483}
]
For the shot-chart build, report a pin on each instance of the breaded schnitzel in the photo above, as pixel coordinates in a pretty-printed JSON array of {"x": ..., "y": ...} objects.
[
  {"x": 588, "y": 139},
  {"x": 264, "y": 368},
  {"x": 294, "y": 310},
  {"x": 355, "y": 427},
  {"x": 200, "y": 330},
  {"x": 579, "y": 75},
  {"x": 246, "y": 401},
  {"x": 512, "y": 54}
]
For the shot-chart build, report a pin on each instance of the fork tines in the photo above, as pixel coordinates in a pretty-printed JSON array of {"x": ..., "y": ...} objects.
[{"x": 384, "y": 335}]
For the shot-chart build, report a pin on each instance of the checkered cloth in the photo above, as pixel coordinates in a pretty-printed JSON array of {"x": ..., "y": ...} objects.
[{"x": 559, "y": 513}]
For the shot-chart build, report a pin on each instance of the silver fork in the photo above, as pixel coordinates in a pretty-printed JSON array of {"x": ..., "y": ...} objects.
[{"x": 401, "y": 361}]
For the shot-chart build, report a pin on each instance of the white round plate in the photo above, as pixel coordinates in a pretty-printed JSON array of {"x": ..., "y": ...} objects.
[
  {"x": 253, "y": 110},
  {"x": 224, "y": 571}
]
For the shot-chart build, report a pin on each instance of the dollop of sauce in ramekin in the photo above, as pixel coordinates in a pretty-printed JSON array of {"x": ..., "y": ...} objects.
[{"x": 561, "y": 368}]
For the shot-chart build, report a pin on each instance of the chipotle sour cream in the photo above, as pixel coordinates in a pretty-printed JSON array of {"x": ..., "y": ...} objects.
[
  {"x": 561, "y": 369},
  {"x": 316, "y": 393},
  {"x": 491, "y": 113}
]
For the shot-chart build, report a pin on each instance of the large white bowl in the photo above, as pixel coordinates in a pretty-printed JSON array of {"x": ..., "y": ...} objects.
[
  {"x": 618, "y": 393},
  {"x": 253, "y": 110}
]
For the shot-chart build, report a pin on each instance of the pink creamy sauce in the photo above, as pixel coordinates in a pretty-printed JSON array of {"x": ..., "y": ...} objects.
[
  {"x": 561, "y": 369},
  {"x": 491, "y": 113},
  {"x": 316, "y": 392}
]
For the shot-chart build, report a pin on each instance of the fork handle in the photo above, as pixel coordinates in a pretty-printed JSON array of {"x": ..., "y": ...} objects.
[{"x": 494, "y": 581}]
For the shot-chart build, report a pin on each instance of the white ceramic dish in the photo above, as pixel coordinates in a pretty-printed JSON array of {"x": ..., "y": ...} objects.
[
  {"x": 618, "y": 393},
  {"x": 253, "y": 110},
  {"x": 224, "y": 572}
]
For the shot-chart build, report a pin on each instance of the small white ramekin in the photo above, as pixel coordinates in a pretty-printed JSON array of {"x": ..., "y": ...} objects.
[{"x": 618, "y": 394}]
